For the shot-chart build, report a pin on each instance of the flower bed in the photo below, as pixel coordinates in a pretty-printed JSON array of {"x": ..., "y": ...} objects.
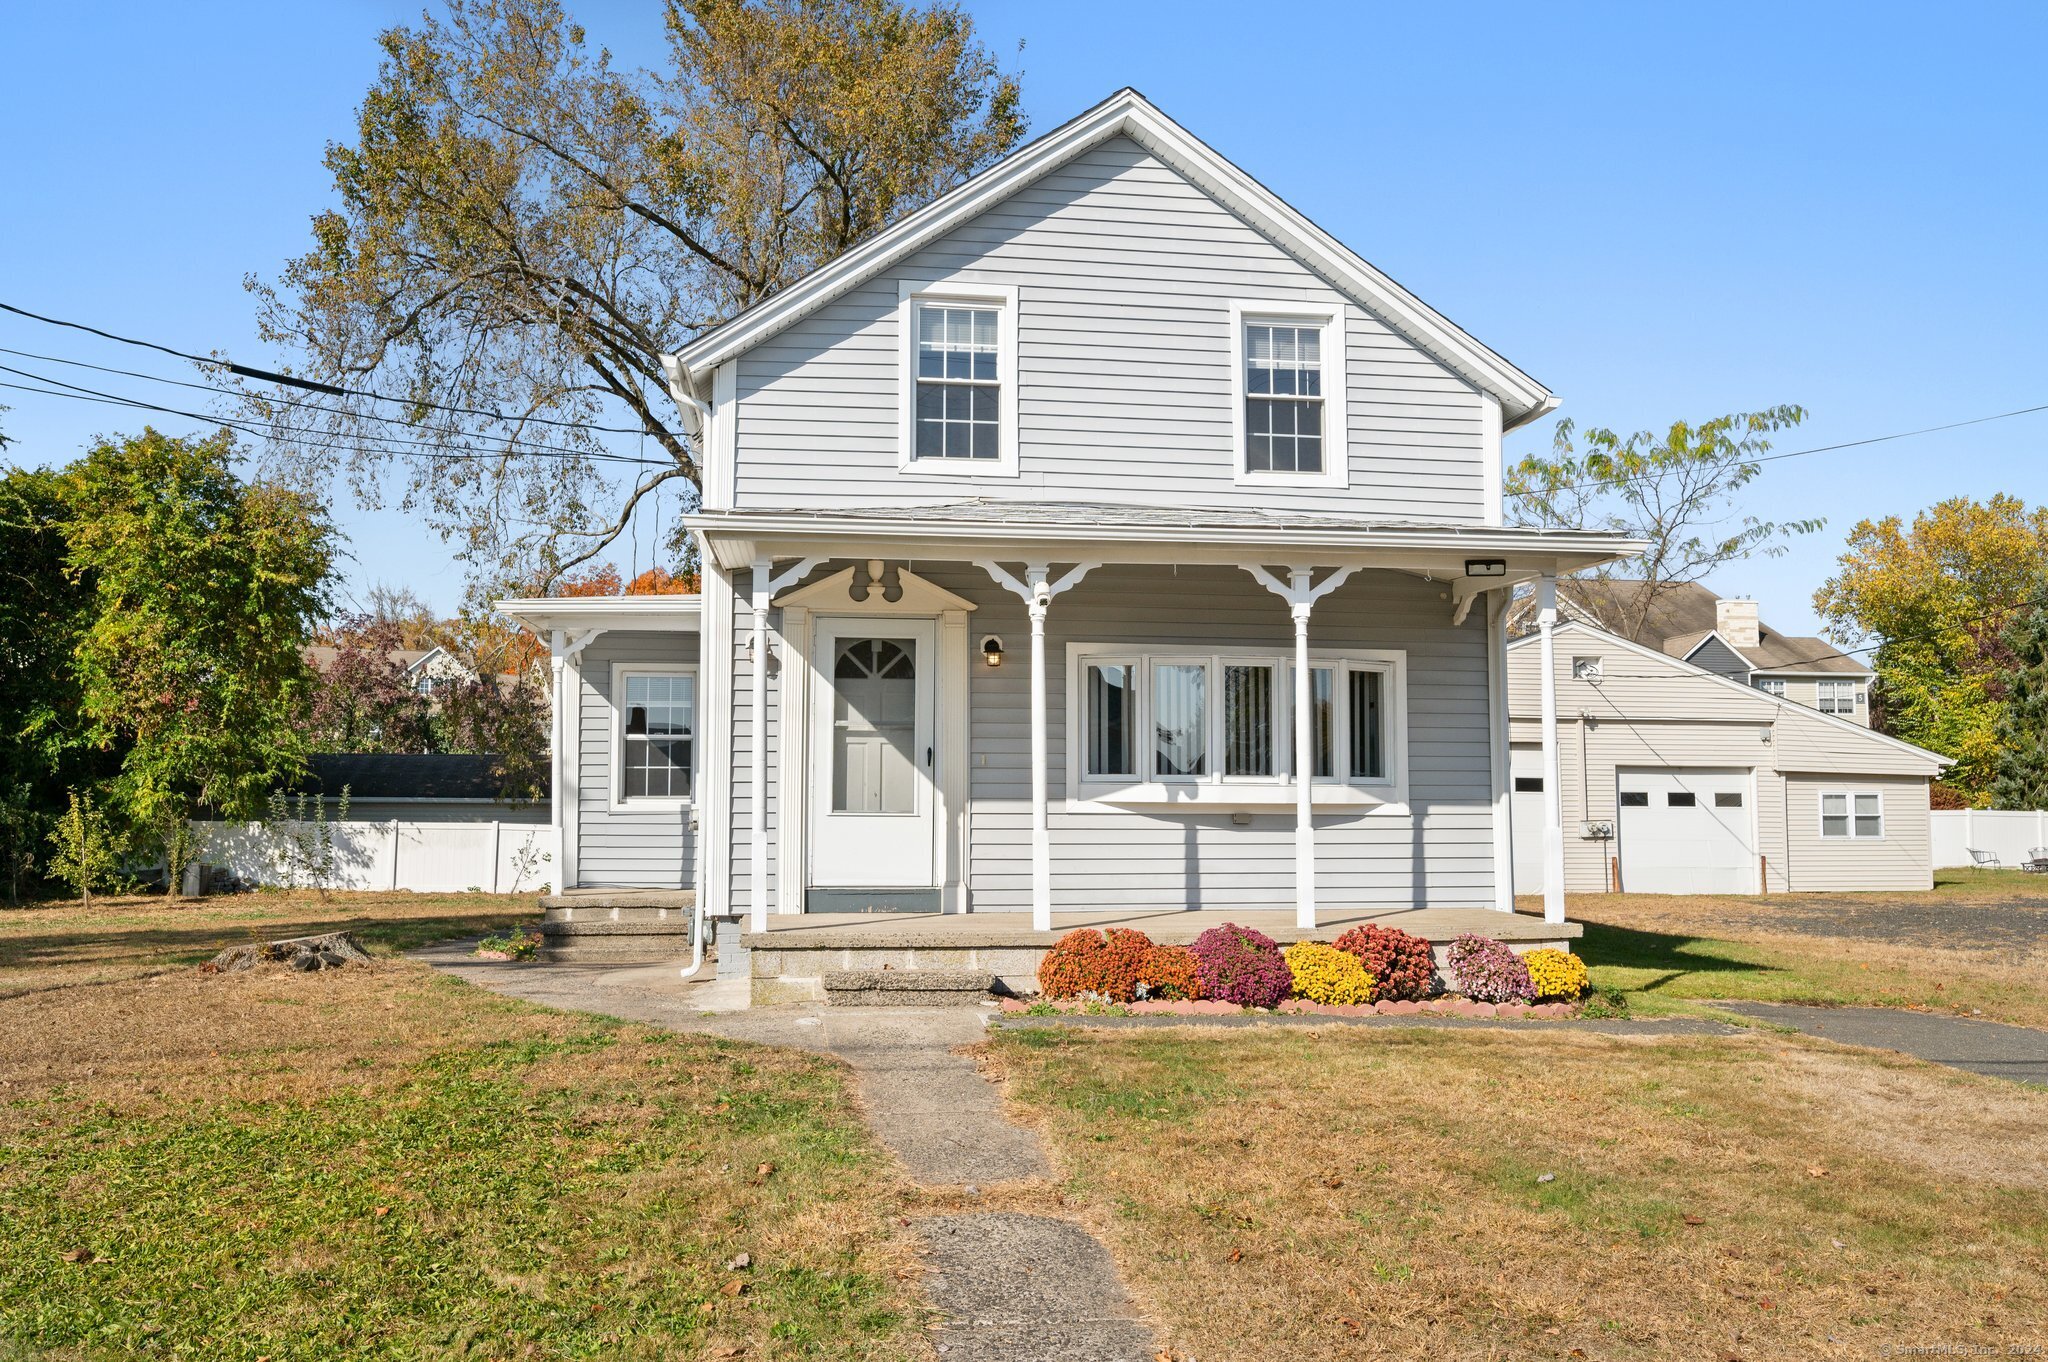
[
  {"x": 1239, "y": 965},
  {"x": 1402, "y": 966}
]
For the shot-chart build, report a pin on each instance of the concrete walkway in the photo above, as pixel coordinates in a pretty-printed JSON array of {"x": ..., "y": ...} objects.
[
  {"x": 1982, "y": 1047},
  {"x": 1009, "y": 1286}
]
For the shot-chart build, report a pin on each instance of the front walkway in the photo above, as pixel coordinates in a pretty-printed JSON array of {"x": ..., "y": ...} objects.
[{"x": 1982, "y": 1047}]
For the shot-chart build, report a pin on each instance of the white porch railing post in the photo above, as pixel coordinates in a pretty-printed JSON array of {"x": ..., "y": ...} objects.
[
  {"x": 1304, "y": 763},
  {"x": 1553, "y": 791}
]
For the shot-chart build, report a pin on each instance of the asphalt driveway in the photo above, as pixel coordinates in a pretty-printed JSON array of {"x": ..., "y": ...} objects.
[{"x": 1992, "y": 1048}]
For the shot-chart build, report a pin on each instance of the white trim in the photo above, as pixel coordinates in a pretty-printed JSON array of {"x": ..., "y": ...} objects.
[
  {"x": 714, "y": 819},
  {"x": 1129, "y": 114},
  {"x": 956, "y": 289},
  {"x": 1500, "y": 752},
  {"x": 1492, "y": 452},
  {"x": 1822, "y": 689},
  {"x": 722, "y": 440},
  {"x": 1701, "y": 673},
  {"x": 1865, "y": 677},
  {"x": 616, "y": 800},
  {"x": 1852, "y": 794},
  {"x": 1387, "y": 796},
  {"x": 1336, "y": 370}
]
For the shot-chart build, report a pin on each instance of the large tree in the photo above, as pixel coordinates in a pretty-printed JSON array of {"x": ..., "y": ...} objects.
[
  {"x": 1678, "y": 488},
  {"x": 205, "y": 589},
  {"x": 524, "y": 228},
  {"x": 1936, "y": 598},
  {"x": 2020, "y": 780}
]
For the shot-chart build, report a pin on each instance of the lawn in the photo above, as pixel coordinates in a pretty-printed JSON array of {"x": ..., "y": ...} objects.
[
  {"x": 1343, "y": 1193},
  {"x": 381, "y": 1162},
  {"x": 1977, "y": 944}
]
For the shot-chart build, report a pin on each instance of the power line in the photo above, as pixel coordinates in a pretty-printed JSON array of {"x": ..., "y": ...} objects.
[{"x": 310, "y": 385}]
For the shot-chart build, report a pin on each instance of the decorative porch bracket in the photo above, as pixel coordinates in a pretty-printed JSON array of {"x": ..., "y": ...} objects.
[
  {"x": 766, "y": 583},
  {"x": 1553, "y": 792},
  {"x": 1036, "y": 591},
  {"x": 1301, "y": 592}
]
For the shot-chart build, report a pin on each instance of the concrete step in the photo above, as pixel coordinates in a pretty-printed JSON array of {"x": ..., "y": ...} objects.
[
  {"x": 614, "y": 912},
  {"x": 907, "y": 987},
  {"x": 614, "y": 943}
]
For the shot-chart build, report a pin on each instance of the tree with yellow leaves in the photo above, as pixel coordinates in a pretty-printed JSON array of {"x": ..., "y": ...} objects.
[{"x": 1937, "y": 598}]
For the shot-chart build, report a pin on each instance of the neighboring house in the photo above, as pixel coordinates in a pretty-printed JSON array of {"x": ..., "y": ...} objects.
[
  {"x": 1676, "y": 774},
  {"x": 1019, "y": 523},
  {"x": 427, "y": 670},
  {"x": 416, "y": 787},
  {"x": 1727, "y": 637}
]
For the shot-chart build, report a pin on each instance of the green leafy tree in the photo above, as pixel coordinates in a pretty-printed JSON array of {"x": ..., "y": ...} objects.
[
  {"x": 1678, "y": 489},
  {"x": 87, "y": 853},
  {"x": 525, "y": 228},
  {"x": 1936, "y": 597},
  {"x": 2021, "y": 780},
  {"x": 205, "y": 590}
]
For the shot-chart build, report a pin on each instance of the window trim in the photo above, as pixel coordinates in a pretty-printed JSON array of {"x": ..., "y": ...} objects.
[
  {"x": 1826, "y": 690},
  {"x": 1002, "y": 297},
  {"x": 1849, "y": 793},
  {"x": 618, "y": 801},
  {"x": 1765, "y": 685},
  {"x": 1336, "y": 471},
  {"x": 1214, "y": 789}
]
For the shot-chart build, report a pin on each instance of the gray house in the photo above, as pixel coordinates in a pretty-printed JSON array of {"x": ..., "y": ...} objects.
[{"x": 1104, "y": 537}]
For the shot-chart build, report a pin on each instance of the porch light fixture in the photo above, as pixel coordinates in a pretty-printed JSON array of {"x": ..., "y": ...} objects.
[
  {"x": 1486, "y": 567},
  {"x": 992, "y": 651}
]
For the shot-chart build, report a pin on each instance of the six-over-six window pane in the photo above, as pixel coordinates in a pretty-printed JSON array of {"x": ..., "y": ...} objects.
[
  {"x": 959, "y": 383},
  {"x": 1283, "y": 398},
  {"x": 655, "y": 748}
]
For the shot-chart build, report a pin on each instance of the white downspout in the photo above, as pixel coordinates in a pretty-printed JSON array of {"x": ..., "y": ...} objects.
[{"x": 1553, "y": 792}]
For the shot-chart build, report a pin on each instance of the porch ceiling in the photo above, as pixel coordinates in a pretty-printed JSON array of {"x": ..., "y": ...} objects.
[{"x": 1091, "y": 532}]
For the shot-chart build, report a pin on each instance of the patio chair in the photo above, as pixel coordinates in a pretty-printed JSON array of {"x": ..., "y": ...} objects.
[
  {"x": 1986, "y": 860},
  {"x": 2036, "y": 862}
]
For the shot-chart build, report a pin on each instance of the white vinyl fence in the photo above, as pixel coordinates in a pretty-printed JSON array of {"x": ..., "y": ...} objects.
[
  {"x": 496, "y": 858},
  {"x": 2010, "y": 835}
]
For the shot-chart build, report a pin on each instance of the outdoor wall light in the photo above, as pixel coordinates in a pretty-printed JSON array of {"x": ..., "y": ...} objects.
[
  {"x": 1486, "y": 567},
  {"x": 992, "y": 651}
]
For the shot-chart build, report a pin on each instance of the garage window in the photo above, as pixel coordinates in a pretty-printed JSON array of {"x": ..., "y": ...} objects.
[
  {"x": 1851, "y": 815},
  {"x": 1528, "y": 784},
  {"x": 1635, "y": 799},
  {"x": 1728, "y": 799},
  {"x": 1680, "y": 799}
]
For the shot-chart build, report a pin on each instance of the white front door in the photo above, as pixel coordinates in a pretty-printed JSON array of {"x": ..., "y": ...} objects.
[{"x": 873, "y": 812}]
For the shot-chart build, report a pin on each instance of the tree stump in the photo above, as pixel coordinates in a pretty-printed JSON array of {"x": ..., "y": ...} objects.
[{"x": 330, "y": 950}]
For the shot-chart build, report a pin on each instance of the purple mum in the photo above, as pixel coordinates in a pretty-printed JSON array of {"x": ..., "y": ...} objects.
[
  {"x": 1242, "y": 966},
  {"x": 1488, "y": 972}
]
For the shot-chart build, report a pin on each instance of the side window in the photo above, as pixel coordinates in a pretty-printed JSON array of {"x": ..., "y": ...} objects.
[
  {"x": 1289, "y": 394},
  {"x": 957, "y": 368},
  {"x": 657, "y": 722}
]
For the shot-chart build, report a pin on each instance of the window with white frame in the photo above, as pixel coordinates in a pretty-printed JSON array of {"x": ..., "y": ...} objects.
[
  {"x": 1289, "y": 393},
  {"x": 1771, "y": 685},
  {"x": 1837, "y": 697},
  {"x": 958, "y": 370},
  {"x": 1176, "y": 716},
  {"x": 657, "y": 709},
  {"x": 1851, "y": 815}
]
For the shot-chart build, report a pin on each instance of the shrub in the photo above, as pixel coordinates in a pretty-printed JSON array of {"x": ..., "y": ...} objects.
[
  {"x": 1086, "y": 961},
  {"x": 1242, "y": 966},
  {"x": 1170, "y": 974},
  {"x": 514, "y": 944},
  {"x": 1488, "y": 972},
  {"x": 1556, "y": 975},
  {"x": 1324, "y": 974},
  {"x": 1403, "y": 967}
]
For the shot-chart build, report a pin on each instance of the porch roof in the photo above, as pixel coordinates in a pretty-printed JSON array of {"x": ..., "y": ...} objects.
[
  {"x": 576, "y": 614},
  {"x": 1102, "y": 532}
]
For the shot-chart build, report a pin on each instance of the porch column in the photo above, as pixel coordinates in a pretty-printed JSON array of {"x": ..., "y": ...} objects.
[
  {"x": 762, "y": 588},
  {"x": 1036, "y": 591},
  {"x": 1553, "y": 783},
  {"x": 558, "y": 647},
  {"x": 1301, "y": 593}
]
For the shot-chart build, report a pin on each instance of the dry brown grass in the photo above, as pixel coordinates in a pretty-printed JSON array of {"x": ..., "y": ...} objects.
[
  {"x": 1344, "y": 1193},
  {"x": 383, "y": 1162}
]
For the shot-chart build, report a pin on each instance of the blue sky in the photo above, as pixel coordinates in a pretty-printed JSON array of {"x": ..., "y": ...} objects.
[{"x": 1659, "y": 211}]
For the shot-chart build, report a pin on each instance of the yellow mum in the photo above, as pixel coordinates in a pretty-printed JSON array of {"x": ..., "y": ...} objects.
[
  {"x": 1324, "y": 974},
  {"x": 1558, "y": 975}
]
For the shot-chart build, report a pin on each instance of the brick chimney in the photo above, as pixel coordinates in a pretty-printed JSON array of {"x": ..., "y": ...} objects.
[{"x": 1737, "y": 622}]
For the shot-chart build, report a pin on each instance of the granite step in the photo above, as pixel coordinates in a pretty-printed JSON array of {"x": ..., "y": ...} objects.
[
  {"x": 907, "y": 987},
  {"x": 585, "y": 942}
]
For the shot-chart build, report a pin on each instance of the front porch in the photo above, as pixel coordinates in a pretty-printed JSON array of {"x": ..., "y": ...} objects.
[{"x": 789, "y": 961}]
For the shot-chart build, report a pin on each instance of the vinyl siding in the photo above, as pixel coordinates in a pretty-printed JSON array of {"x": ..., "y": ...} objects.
[
  {"x": 1125, "y": 273},
  {"x": 1652, "y": 711},
  {"x": 1717, "y": 657},
  {"x": 1805, "y": 690},
  {"x": 1441, "y": 856},
  {"x": 1901, "y": 859},
  {"x": 627, "y": 848},
  {"x": 744, "y": 728}
]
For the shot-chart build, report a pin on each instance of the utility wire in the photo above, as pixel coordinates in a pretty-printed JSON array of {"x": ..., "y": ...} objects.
[{"x": 310, "y": 385}]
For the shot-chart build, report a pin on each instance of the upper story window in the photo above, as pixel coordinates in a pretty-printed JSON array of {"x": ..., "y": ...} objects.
[
  {"x": 959, "y": 378},
  {"x": 1837, "y": 697},
  {"x": 1771, "y": 685},
  {"x": 1288, "y": 394}
]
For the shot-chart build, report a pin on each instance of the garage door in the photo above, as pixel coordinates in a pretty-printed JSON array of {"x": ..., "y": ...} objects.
[
  {"x": 1685, "y": 831},
  {"x": 1525, "y": 811}
]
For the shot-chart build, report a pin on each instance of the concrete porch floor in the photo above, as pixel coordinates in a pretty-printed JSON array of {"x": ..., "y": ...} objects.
[{"x": 1168, "y": 926}]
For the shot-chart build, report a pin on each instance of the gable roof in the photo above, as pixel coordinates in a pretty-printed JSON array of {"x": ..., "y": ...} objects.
[
  {"x": 1684, "y": 616},
  {"x": 1791, "y": 708},
  {"x": 1129, "y": 114}
]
